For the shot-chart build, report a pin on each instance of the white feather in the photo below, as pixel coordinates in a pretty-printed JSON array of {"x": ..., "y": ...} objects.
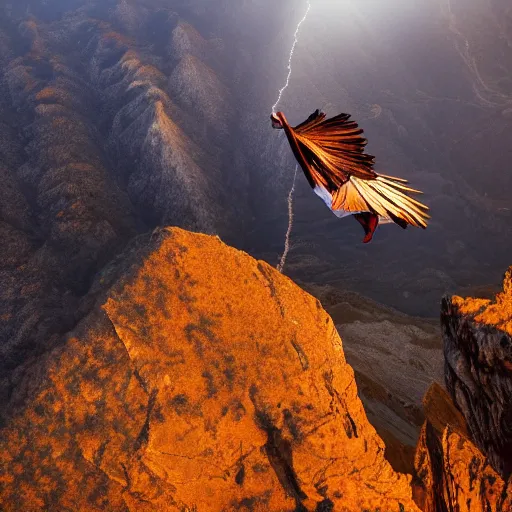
[{"x": 326, "y": 197}]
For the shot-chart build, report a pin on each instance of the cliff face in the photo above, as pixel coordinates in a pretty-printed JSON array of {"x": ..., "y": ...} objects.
[
  {"x": 200, "y": 379},
  {"x": 451, "y": 473},
  {"x": 464, "y": 452},
  {"x": 395, "y": 358},
  {"x": 478, "y": 369},
  {"x": 110, "y": 115}
]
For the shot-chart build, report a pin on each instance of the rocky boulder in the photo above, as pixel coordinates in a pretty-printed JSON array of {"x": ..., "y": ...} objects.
[
  {"x": 478, "y": 369},
  {"x": 451, "y": 473},
  {"x": 199, "y": 379}
]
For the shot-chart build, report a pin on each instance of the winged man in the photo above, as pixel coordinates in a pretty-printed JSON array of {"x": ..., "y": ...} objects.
[{"x": 331, "y": 154}]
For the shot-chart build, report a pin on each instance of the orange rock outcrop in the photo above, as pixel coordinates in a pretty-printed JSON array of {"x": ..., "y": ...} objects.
[
  {"x": 478, "y": 369},
  {"x": 496, "y": 313},
  {"x": 463, "y": 457},
  {"x": 451, "y": 472},
  {"x": 200, "y": 380}
]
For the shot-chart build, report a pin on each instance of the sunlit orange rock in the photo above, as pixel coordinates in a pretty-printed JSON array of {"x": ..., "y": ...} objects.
[
  {"x": 497, "y": 313},
  {"x": 473, "y": 484},
  {"x": 478, "y": 370},
  {"x": 201, "y": 379},
  {"x": 429, "y": 485},
  {"x": 451, "y": 471},
  {"x": 440, "y": 411},
  {"x": 452, "y": 474}
]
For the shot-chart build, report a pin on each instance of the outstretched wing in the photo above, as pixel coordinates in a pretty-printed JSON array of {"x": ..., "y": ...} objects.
[
  {"x": 342, "y": 173},
  {"x": 334, "y": 149},
  {"x": 314, "y": 119}
]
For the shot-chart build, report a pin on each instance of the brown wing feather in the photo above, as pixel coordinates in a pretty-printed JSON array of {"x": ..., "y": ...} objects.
[
  {"x": 331, "y": 153},
  {"x": 335, "y": 149},
  {"x": 315, "y": 118}
]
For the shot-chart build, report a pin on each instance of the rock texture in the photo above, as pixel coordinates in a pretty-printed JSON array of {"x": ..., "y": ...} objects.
[
  {"x": 463, "y": 455},
  {"x": 440, "y": 411},
  {"x": 396, "y": 357},
  {"x": 451, "y": 473},
  {"x": 200, "y": 379},
  {"x": 478, "y": 369},
  {"x": 454, "y": 475}
]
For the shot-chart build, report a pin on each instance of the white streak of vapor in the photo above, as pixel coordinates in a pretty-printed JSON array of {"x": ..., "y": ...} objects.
[
  {"x": 282, "y": 262},
  {"x": 295, "y": 41},
  {"x": 290, "y": 224}
]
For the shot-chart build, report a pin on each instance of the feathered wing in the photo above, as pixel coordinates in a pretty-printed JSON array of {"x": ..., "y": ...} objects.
[
  {"x": 338, "y": 146},
  {"x": 334, "y": 150},
  {"x": 386, "y": 197}
]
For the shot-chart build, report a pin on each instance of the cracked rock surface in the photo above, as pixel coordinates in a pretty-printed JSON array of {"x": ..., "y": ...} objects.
[
  {"x": 451, "y": 473},
  {"x": 200, "y": 379},
  {"x": 478, "y": 369}
]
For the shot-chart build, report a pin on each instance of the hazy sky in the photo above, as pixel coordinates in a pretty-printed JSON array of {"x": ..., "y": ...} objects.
[{"x": 429, "y": 82}]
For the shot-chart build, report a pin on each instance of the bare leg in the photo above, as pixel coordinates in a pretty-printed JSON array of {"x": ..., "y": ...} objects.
[{"x": 369, "y": 221}]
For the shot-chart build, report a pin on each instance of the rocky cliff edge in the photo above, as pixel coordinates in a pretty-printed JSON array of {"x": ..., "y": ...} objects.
[
  {"x": 199, "y": 380},
  {"x": 478, "y": 369}
]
